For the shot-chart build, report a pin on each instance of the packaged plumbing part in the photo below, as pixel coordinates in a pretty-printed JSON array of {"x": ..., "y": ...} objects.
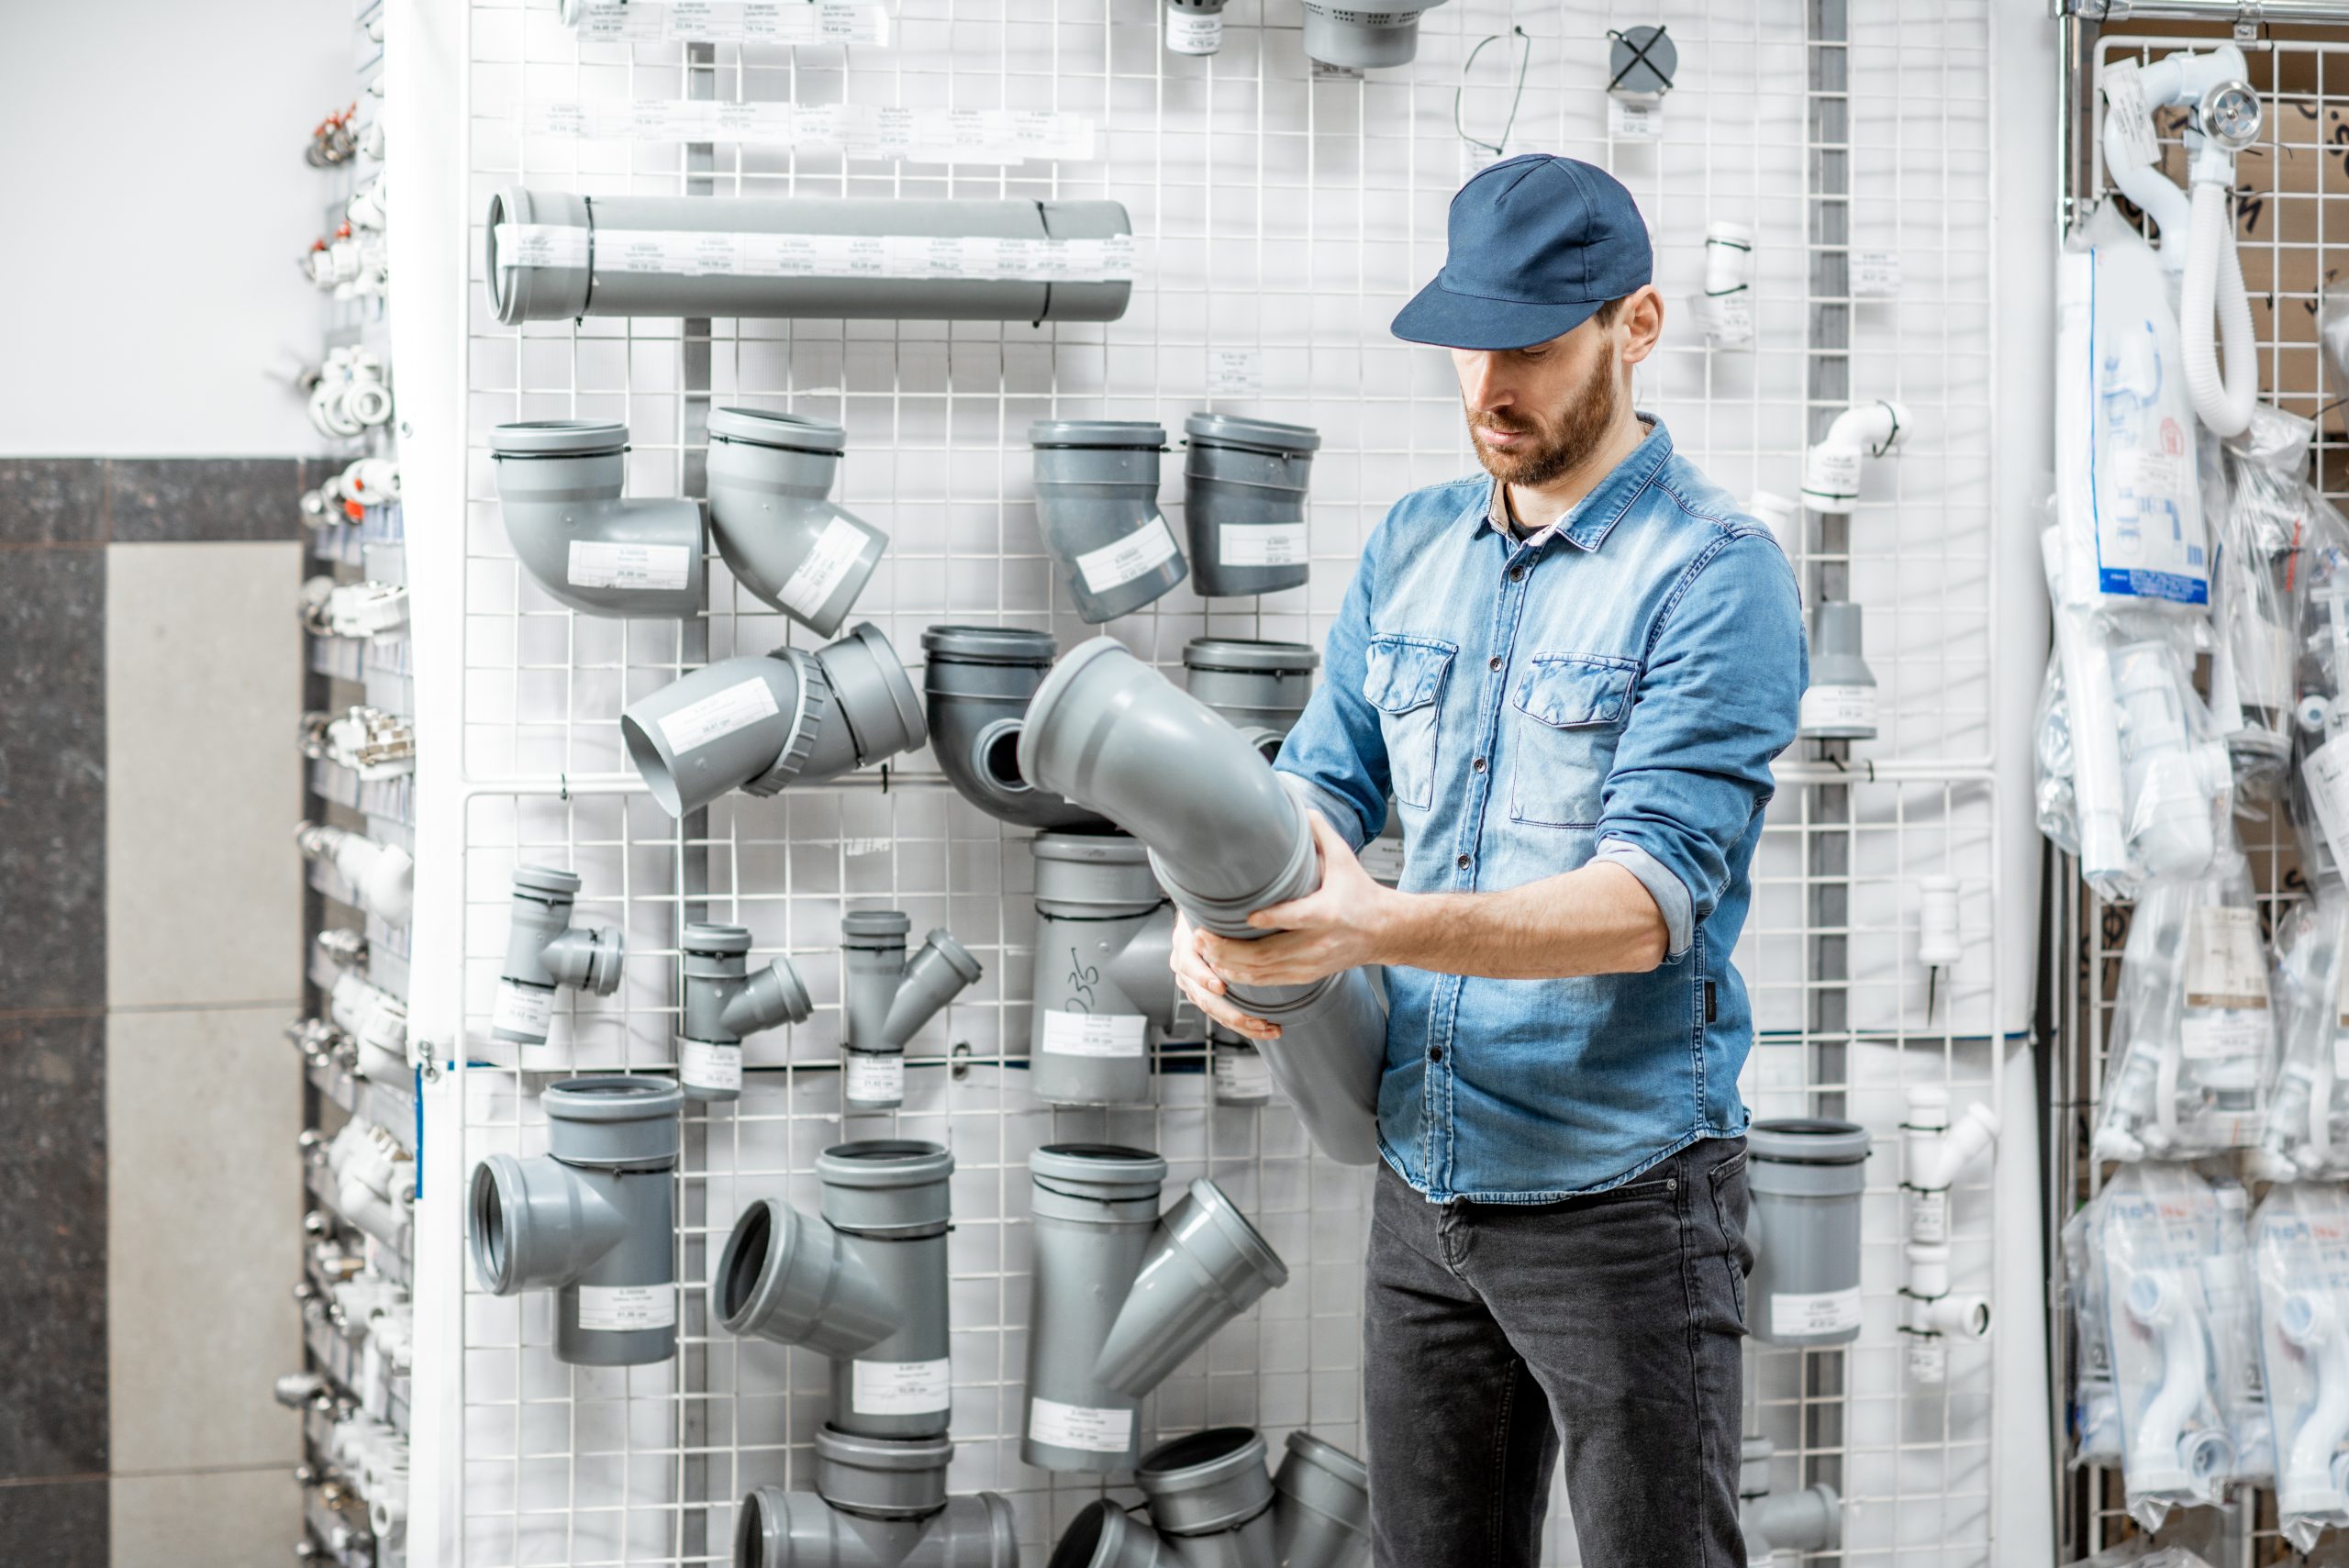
[
  {"x": 2256, "y": 652},
  {"x": 2232, "y": 1286},
  {"x": 1724, "y": 306},
  {"x": 2308, "y": 1109},
  {"x": 1806, "y": 1176},
  {"x": 2318, "y": 798},
  {"x": 723, "y": 1001},
  {"x": 888, "y": 999},
  {"x": 559, "y": 484},
  {"x": 1244, "y": 503},
  {"x": 554, "y": 256},
  {"x": 1211, "y": 1504},
  {"x": 977, "y": 681},
  {"x": 770, "y": 480},
  {"x": 381, "y": 876},
  {"x": 1103, "y": 990},
  {"x": 2095, "y": 1408},
  {"x": 1096, "y": 499},
  {"x": 2056, "y": 803},
  {"x": 1122, "y": 1294},
  {"x": 2193, "y": 1041},
  {"x": 878, "y": 1503},
  {"x": 544, "y": 952},
  {"x": 2300, "y": 1249}
]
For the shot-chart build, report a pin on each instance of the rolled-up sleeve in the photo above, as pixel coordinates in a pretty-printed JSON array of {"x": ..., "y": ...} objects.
[
  {"x": 1335, "y": 756},
  {"x": 1719, "y": 697}
]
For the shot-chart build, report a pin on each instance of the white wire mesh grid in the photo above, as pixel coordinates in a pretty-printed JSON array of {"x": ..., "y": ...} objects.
[{"x": 1284, "y": 212}]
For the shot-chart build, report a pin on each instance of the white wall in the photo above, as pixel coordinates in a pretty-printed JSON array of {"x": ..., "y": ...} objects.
[{"x": 151, "y": 164}]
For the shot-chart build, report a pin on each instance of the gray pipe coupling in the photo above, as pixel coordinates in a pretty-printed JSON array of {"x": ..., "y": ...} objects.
[
  {"x": 1122, "y": 1294},
  {"x": 866, "y": 1286},
  {"x": 594, "y": 1219},
  {"x": 978, "y": 679},
  {"x": 723, "y": 1002},
  {"x": 1097, "y": 498},
  {"x": 878, "y": 1503},
  {"x": 553, "y": 256},
  {"x": 1226, "y": 838},
  {"x": 1103, "y": 988},
  {"x": 559, "y": 484},
  {"x": 769, "y": 510},
  {"x": 760, "y": 723},
  {"x": 544, "y": 950},
  {"x": 1244, "y": 503},
  {"x": 1211, "y": 1505},
  {"x": 1261, "y": 687},
  {"x": 887, "y": 999}
]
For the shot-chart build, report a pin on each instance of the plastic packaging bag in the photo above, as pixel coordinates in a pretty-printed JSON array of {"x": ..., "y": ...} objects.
[
  {"x": 2301, "y": 1244},
  {"x": 2233, "y": 1293},
  {"x": 2057, "y": 805},
  {"x": 2095, "y": 1413},
  {"x": 2258, "y": 530},
  {"x": 2308, "y": 1108},
  {"x": 2319, "y": 577}
]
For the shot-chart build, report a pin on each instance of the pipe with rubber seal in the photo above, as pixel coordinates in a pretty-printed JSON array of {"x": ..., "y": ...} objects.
[
  {"x": 1211, "y": 1505},
  {"x": 1096, "y": 501},
  {"x": 723, "y": 1001},
  {"x": 559, "y": 484},
  {"x": 771, "y": 514},
  {"x": 878, "y": 1503},
  {"x": 1243, "y": 504},
  {"x": 1103, "y": 988},
  {"x": 977, "y": 681}
]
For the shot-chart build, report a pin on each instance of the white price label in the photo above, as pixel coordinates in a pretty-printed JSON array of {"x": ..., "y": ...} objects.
[
  {"x": 651, "y": 567},
  {"x": 1876, "y": 275},
  {"x": 1261, "y": 544},
  {"x": 2127, "y": 116},
  {"x": 540, "y": 245},
  {"x": 899, "y": 1388},
  {"x": 1831, "y": 476},
  {"x": 873, "y": 1077},
  {"x": 2326, "y": 774},
  {"x": 1094, "y": 1034},
  {"x": 1235, "y": 373},
  {"x": 2224, "y": 966},
  {"x": 754, "y": 21},
  {"x": 698, "y": 254},
  {"x": 814, "y": 580},
  {"x": 1727, "y": 318},
  {"x": 1929, "y": 1215},
  {"x": 1838, "y": 708},
  {"x": 1142, "y": 551},
  {"x": 1080, "y": 1427},
  {"x": 1241, "y": 1076},
  {"x": 624, "y": 1308},
  {"x": 2222, "y": 1036},
  {"x": 523, "y": 1009},
  {"x": 1631, "y": 119},
  {"x": 1189, "y": 33},
  {"x": 1802, "y": 1316},
  {"x": 1928, "y": 1358},
  {"x": 1383, "y": 857},
  {"x": 927, "y": 136},
  {"x": 706, "y": 1064},
  {"x": 719, "y": 715}
]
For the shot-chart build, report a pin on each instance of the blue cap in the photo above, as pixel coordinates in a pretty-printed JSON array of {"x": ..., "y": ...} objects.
[{"x": 1538, "y": 243}]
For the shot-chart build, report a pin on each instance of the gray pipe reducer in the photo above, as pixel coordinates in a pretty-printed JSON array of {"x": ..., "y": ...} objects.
[
  {"x": 1096, "y": 499},
  {"x": 594, "y": 1219},
  {"x": 760, "y": 723},
  {"x": 588, "y": 287},
  {"x": 723, "y": 1002},
  {"x": 1243, "y": 504},
  {"x": 889, "y": 996},
  {"x": 1103, "y": 990},
  {"x": 977, "y": 680},
  {"x": 878, "y": 1503},
  {"x": 770, "y": 510},
  {"x": 559, "y": 484},
  {"x": 544, "y": 952}
]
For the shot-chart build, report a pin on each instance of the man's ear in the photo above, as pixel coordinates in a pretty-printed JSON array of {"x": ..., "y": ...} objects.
[{"x": 1642, "y": 319}]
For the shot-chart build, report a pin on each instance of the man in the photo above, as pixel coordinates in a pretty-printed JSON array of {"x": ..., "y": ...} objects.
[{"x": 1571, "y": 676}]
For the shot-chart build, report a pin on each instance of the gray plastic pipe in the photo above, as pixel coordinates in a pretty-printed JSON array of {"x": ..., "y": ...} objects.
[
  {"x": 1226, "y": 838},
  {"x": 1261, "y": 687},
  {"x": 1096, "y": 497},
  {"x": 593, "y": 1220},
  {"x": 1122, "y": 1294},
  {"x": 1211, "y": 1505},
  {"x": 591, "y": 280},
  {"x": 760, "y": 723},
  {"x": 771, "y": 511},
  {"x": 878, "y": 1503},
  {"x": 1806, "y": 1176},
  {"x": 1104, "y": 934},
  {"x": 544, "y": 950},
  {"x": 1806, "y": 1521},
  {"x": 1364, "y": 37},
  {"x": 866, "y": 1285},
  {"x": 723, "y": 1002},
  {"x": 559, "y": 484},
  {"x": 978, "y": 679},
  {"x": 1244, "y": 503},
  {"x": 889, "y": 998}
]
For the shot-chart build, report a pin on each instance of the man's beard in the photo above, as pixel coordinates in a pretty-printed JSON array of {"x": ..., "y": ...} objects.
[{"x": 1558, "y": 446}]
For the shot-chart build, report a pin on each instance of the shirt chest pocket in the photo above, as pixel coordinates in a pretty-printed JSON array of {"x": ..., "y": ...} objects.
[
  {"x": 1403, "y": 678},
  {"x": 1566, "y": 713}
]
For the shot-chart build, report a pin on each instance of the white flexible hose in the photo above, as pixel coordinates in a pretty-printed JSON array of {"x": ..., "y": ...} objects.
[{"x": 2214, "y": 278}]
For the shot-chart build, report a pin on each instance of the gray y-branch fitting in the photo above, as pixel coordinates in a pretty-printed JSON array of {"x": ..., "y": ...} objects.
[
  {"x": 978, "y": 679},
  {"x": 889, "y": 998},
  {"x": 545, "y": 950},
  {"x": 1211, "y": 1505},
  {"x": 559, "y": 484},
  {"x": 1226, "y": 838},
  {"x": 723, "y": 1002},
  {"x": 1244, "y": 503},
  {"x": 760, "y": 723},
  {"x": 594, "y": 1219},
  {"x": 877, "y": 1504},
  {"x": 580, "y": 282},
  {"x": 865, "y": 1286},
  {"x": 1122, "y": 1294},
  {"x": 1806, "y": 1521},
  {"x": 1096, "y": 497},
  {"x": 769, "y": 510},
  {"x": 1209, "y": 1495},
  {"x": 1364, "y": 36},
  {"x": 1104, "y": 935}
]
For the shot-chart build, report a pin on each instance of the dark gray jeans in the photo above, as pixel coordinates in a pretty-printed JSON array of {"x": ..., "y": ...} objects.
[{"x": 1492, "y": 1331}]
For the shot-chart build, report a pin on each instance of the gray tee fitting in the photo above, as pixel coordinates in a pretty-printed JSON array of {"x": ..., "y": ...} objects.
[
  {"x": 723, "y": 1002},
  {"x": 544, "y": 950},
  {"x": 877, "y": 1504},
  {"x": 1806, "y": 1521},
  {"x": 1122, "y": 1294},
  {"x": 1211, "y": 1505},
  {"x": 559, "y": 484},
  {"x": 866, "y": 1287},
  {"x": 1104, "y": 935},
  {"x": 1362, "y": 37},
  {"x": 582, "y": 281},
  {"x": 760, "y": 723},
  {"x": 1806, "y": 1177},
  {"x": 1226, "y": 838},
  {"x": 1096, "y": 497},
  {"x": 978, "y": 679},
  {"x": 1244, "y": 503},
  {"x": 888, "y": 997},
  {"x": 594, "y": 1219},
  {"x": 770, "y": 482}
]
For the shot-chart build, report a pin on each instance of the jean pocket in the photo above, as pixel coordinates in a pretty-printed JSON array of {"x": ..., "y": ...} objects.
[
  {"x": 1730, "y": 1200},
  {"x": 1570, "y": 710},
  {"x": 1403, "y": 679}
]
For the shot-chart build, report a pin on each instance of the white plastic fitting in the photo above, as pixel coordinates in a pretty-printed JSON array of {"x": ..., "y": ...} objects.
[
  {"x": 376, "y": 1022},
  {"x": 368, "y": 610},
  {"x": 2312, "y": 1480},
  {"x": 1782, "y": 517},
  {"x": 374, "y": 1181},
  {"x": 1932, "y": 1309},
  {"x": 1935, "y": 1154},
  {"x": 1725, "y": 308},
  {"x": 2167, "y": 1459},
  {"x": 1937, "y": 943},
  {"x": 1831, "y": 473},
  {"x": 382, "y": 876}
]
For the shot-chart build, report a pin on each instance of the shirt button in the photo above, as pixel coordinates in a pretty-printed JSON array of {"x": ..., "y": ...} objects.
[
  {"x": 1464, "y": 862},
  {"x": 1517, "y": 574},
  {"x": 1479, "y": 764},
  {"x": 1494, "y": 662},
  {"x": 1435, "y": 1053}
]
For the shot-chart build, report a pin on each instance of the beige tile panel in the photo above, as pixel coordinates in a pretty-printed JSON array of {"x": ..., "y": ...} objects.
[{"x": 227, "y": 1518}]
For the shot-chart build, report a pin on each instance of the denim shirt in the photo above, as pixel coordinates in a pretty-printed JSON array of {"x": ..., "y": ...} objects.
[{"x": 1614, "y": 687}]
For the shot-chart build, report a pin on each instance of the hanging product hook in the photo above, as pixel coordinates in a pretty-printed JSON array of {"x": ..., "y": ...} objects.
[{"x": 1459, "y": 92}]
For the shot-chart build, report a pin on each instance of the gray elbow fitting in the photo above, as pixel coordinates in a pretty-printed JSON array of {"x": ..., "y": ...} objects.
[
  {"x": 1104, "y": 936},
  {"x": 889, "y": 998},
  {"x": 559, "y": 484},
  {"x": 1226, "y": 838},
  {"x": 724, "y": 1001},
  {"x": 1244, "y": 503},
  {"x": 1211, "y": 1505},
  {"x": 593, "y": 1220},
  {"x": 544, "y": 950},
  {"x": 1122, "y": 1294},
  {"x": 770, "y": 510},
  {"x": 1097, "y": 498},
  {"x": 978, "y": 679},
  {"x": 760, "y": 723},
  {"x": 553, "y": 256},
  {"x": 878, "y": 1503}
]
